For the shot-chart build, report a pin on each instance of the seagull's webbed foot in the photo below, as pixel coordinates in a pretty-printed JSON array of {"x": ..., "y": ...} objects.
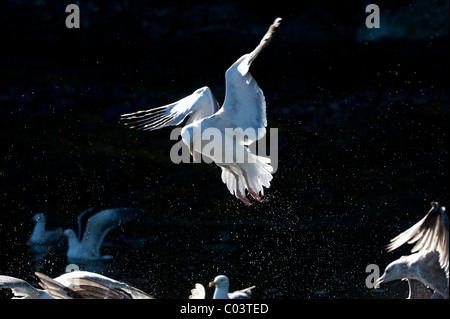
[
  {"x": 251, "y": 191},
  {"x": 254, "y": 195},
  {"x": 238, "y": 192},
  {"x": 243, "y": 199}
]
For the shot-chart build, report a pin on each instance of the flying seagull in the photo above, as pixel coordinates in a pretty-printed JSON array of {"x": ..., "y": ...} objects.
[
  {"x": 429, "y": 234},
  {"x": 87, "y": 246},
  {"x": 423, "y": 267},
  {"x": 243, "y": 112}
]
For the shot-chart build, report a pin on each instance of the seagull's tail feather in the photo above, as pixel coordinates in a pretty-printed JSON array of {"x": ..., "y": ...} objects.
[
  {"x": 259, "y": 173},
  {"x": 229, "y": 180}
]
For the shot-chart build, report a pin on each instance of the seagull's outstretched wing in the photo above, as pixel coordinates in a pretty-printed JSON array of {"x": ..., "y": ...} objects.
[
  {"x": 242, "y": 294},
  {"x": 102, "y": 222},
  {"x": 198, "y": 292},
  {"x": 20, "y": 288},
  {"x": 430, "y": 233},
  {"x": 75, "y": 278},
  {"x": 245, "y": 105},
  {"x": 81, "y": 222},
  {"x": 198, "y": 105},
  {"x": 85, "y": 289}
]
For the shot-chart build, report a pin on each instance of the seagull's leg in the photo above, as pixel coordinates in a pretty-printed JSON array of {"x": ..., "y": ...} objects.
[
  {"x": 251, "y": 191},
  {"x": 238, "y": 192}
]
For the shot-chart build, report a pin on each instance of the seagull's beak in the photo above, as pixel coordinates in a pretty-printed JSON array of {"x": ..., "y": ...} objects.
[
  {"x": 212, "y": 284},
  {"x": 378, "y": 282},
  {"x": 191, "y": 150}
]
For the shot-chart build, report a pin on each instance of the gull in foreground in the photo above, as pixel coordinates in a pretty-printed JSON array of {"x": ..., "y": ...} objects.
[
  {"x": 88, "y": 285},
  {"x": 429, "y": 234},
  {"x": 72, "y": 285},
  {"x": 42, "y": 236},
  {"x": 222, "y": 285},
  {"x": 243, "y": 112},
  {"x": 87, "y": 246},
  {"x": 423, "y": 267},
  {"x": 22, "y": 289}
]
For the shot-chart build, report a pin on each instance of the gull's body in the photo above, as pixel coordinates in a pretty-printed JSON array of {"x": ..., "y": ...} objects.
[
  {"x": 423, "y": 266},
  {"x": 87, "y": 246},
  {"x": 244, "y": 108},
  {"x": 42, "y": 236},
  {"x": 222, "y": 286}
]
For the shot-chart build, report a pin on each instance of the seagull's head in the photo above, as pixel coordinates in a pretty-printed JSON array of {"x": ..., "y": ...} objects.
[
  {"x": 396, "y": 270},
  {"x": 220, "y": 282},
  {"x": 39, "y": 218},
  {"x": 188, "y": 136},
  {"x": 69, "y": 234}
]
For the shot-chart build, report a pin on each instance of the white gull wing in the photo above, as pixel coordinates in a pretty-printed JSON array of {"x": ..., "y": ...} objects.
[
  {"x": 198, "y": 292},
  {"x": 99, "y": 225},
  {"x": 85, "y": 289},
  {"x": 72, "y": 279},
  {"x": 80, "y": 221},
  {"x": 430, "y": 233},
  {"x": 22, "y": 289},
  {"x": 198, "y": 105},
  {"x": 241, "y": 294},
  {"x": 245, "y": 106}
]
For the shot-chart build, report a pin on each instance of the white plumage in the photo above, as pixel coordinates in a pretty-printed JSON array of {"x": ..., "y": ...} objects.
[
  {"x": 429, "y": 234},
  {"x": 72, "y": 285},
  {"x": 86, "y": 246},
  {"x": 22, "y": 289},
  {"x": 422, "y": 266},
  {"x": 222, "y": 286},
  {"x": 244, "y": 109}
]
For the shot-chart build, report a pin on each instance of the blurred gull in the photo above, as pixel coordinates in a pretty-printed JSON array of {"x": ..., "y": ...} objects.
[
  {"x": 429, "y": 234},
  {"x": 22, "y": 289},
  {"x": 41, "y": 236},
  {"x": 86, "y": 246},
  {"x": 423, "y": 267},
  {"x": 72, "y": 285},
  {"x": 198, "y": 292},
  {"x": 89, "y": 285},
  {"x": 243, "y": 110},
  {"x": 222, "y": 285}
]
